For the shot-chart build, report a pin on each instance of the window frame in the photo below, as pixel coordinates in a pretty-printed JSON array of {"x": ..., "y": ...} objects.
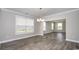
[
  {"x": 44, "y": 26},
  {"x": 60, "y": 26},
  {"x": 52, "y": 27},
  {"x": 19, "y": 33}
]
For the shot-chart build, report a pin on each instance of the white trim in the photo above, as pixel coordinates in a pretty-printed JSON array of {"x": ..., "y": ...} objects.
[
  {"x": 40, "y": 34},
  {"x": 9, "y": 40},
  {"x": 72, "y": 40}
]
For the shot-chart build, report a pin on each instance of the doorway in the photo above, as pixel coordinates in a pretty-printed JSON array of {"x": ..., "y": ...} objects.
[{"x": 55, "y": 29}]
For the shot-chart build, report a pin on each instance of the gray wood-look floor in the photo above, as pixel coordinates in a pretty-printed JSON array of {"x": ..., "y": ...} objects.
[{"x": 51, "y": 41}]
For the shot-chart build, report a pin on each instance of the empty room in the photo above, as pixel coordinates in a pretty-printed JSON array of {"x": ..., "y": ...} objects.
[{"x": 39, "y": 28}]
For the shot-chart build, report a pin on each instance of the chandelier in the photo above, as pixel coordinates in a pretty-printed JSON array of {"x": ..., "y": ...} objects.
[{"x": 40, "y": 20}]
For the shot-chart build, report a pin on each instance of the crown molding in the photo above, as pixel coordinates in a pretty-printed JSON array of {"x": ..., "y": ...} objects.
[
  {"x": 64, "y": 12},
  {"x": 16, "y": 12}
]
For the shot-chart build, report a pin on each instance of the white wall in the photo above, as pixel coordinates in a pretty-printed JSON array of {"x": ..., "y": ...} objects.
[
  {"x": 7, "y": 27},
  {"x": 72, "y": 23},
  {"x": 39, "y": 28},
  {"x": 48, "y": 27}
]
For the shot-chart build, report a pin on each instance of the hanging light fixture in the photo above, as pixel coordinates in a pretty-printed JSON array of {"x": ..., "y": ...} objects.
[{"x": 40, "y": 19}]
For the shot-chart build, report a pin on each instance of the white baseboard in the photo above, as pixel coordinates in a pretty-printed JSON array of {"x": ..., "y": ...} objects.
[
  {"x": 72, "y": 40},
  {"x": 9, "y": 40},
  {"x": 40, "y": 34}
]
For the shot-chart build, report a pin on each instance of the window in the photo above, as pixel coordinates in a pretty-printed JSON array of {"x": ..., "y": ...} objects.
[
  {"x": 44, "y": 26},
  {"x": 52, "y": 24},
  {"x": 59, "y": 26},
  {"x": 24, "y": 25}
]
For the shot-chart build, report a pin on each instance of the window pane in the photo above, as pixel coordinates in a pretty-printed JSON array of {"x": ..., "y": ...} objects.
[
  {"x": 20, "y": 20},
  {"x": 52, "y": 26},
  {"x": 44, "y": 26},
  {"x": 20, "y": 29},
  {"x": 59, "y": 25},
  {"x": 24, "y": 25},
  {"x": 29, "y": 29},
  {"x": 29, "y": 25},
  {"x": 29, "y": 22}
]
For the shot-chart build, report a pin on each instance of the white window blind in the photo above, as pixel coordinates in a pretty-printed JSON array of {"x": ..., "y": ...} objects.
[{"x": 24, "y": 25}]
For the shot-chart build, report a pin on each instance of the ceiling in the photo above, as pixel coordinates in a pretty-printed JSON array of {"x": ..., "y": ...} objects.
[{"x": 40, "y": 12}]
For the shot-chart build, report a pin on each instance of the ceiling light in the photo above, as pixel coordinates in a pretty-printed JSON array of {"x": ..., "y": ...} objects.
[{"x": 40, "y": 20}]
